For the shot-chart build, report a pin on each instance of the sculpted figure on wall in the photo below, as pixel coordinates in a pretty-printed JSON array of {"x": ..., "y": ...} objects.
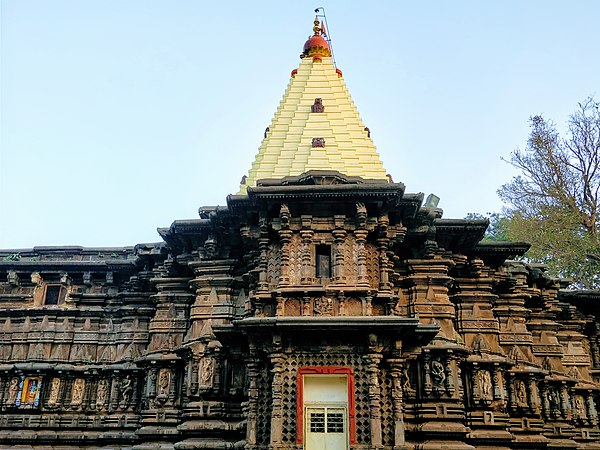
[
  {"x": 77, "y": 393},
  {"x": 164, "y": 383},
  {"x": 13, "y": 389},
  {"x": 580, "y": 410},
  {"x": 484, "y": 381},
  {"x": 101, "y": 394},
  {"x": 126, "y": 389},
  {"x": 438, "y": 375},
  {"x": 306, "y": 309},
  {"x": 207, "y": 367},
  {"x": 521, "y": 391},
  {"x": 324, "y": 306},
  {"x": 54, "y": 390},
  {"x": 406, "y": 381},
  {"x": 554, "y": 402}
]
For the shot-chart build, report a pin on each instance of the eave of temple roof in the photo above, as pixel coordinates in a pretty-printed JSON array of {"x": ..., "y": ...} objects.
[
  {"x": 77, "y": 258},
  {"x": 459, "y": 234},
  {"x": 495, "y": 253}
]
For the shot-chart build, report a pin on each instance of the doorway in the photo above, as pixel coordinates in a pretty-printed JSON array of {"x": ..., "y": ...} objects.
[{"x": 325, "y": 412}]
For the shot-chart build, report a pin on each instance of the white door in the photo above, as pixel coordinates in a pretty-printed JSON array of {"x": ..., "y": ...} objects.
[
  {"x": 325, "y": 411},
  {"x": 326, "y": 428}
]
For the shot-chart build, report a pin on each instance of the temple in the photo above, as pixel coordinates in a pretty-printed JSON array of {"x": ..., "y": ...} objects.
[{"x": 323, "y": 308}]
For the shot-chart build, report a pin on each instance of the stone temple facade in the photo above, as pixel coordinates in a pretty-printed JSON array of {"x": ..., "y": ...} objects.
[{"x": 323, "y": 308}]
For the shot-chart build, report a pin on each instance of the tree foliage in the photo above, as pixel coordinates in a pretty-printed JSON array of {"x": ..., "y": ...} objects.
[
  {"x": 496, "y": 230},
  {"x": 554, "y": 202}
]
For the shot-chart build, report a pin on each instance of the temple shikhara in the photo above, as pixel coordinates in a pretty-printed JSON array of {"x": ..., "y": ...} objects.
[{"x": 325, "y": 307}]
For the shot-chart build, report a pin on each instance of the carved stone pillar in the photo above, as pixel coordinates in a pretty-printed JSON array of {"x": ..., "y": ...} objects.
[
  {"x": 285, "y": 237},
  {"x": 280, "y": 306},
  {"x": 449, "y": 370},
  {"x": 307, "y": 268},
  {"x": 306, "y": 306},
  {"x": 396, "y": 371},
  {"x": 373, "y": 360},
  {"x": 534, "y": 399},
  {"x": 361, "y": 269},
  {"x": 565, "y": 404},
  {"x": 427, "y": 387},
  {"x": 151, "y": 384},
  {"x": 263, "y": 246},
  {"x": 499, "y": 391},
  {"x": 114, "y": 393},
  {"x": 475, "y": 386},
  {"x": 252, "y": 406},
  {"x": 193, "y": 377},
  {"x": 591, "y": 407},
  {"x": 339, "y": 236},
  {"x": 277, "y": 361},
  {"x": 595, "y": 352},
  {"x": 512, "y": 384},
  {"x": 383, "y": 244},
  {"x": 544, "y": 400},
  {"x": 367, "y": 305},
  {"x": 173, "y": 391}
]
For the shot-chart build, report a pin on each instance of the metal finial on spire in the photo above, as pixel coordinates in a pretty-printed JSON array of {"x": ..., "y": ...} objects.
[
  {"x": 317, "y": 26},
  {"x": 324, "y": 29}
]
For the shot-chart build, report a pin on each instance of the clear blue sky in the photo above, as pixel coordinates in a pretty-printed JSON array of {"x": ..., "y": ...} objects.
[{"x": 120, "y": 116}]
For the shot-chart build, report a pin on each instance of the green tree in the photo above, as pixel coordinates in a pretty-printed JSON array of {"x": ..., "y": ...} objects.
[
  {"x": 554, "y": 202},
  {"x": 496, "y": 230}
]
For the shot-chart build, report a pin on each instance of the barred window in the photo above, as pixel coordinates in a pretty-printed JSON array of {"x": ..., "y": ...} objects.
[
  {"x": 317, "y": 422},
  {"x": 335, "y": 422}
]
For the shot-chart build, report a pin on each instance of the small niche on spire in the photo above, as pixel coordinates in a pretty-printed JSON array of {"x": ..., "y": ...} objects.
[
  {"x": 317, "y": 106},
  {"x": 318, "y": 142}
]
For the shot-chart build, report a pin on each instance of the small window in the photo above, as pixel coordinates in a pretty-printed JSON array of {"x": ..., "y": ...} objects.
[
  {"x": 323, "y": 261},
  {"x": 55, "y": 294}
]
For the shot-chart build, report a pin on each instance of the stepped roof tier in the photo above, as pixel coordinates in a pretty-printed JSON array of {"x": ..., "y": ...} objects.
[{"x": 316, "y": 126}]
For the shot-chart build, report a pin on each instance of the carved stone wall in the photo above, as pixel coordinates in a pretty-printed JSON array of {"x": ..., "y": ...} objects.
[{"x": 197, "y": 343}]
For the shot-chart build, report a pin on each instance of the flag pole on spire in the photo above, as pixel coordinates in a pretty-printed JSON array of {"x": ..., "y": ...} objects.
[{"x": 320, "y": 12}]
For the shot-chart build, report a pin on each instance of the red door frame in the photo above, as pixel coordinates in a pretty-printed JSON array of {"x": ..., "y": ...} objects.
[{"x": 326, "y": 370}]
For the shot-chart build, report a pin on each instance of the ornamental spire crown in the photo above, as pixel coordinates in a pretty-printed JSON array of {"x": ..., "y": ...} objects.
[{"x": 316, "y": 45}]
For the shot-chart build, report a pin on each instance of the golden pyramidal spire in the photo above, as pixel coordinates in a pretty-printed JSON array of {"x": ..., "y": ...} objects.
[{"x": 317, "y": 125}]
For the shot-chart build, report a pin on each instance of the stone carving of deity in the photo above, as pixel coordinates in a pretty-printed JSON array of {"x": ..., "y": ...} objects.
[
  {"x": 126, "y": 390},
  {"x": 580, "y": 407},
  {"x": 306, "y": 309},
  {"x": 554, "y": 401},
  {"x": 54, "y": 390},
  {"x": 238, "y": 378},
  {"x": 164, "y": 381},
  {"x": 13, "y": 389},
  {"x": 207, "y": 367},
  {"x": 438, "y": 374},
  {"x": 406, "y": 384},
  {"x": 317, "y": 106},
  {"x": 484, "y": 380},
  {"x": 77, "y": 393},
  {"x": 101, "y": 393},
  {"x": 521, "y": 393},
  {"x": 324, "y": 307}
]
